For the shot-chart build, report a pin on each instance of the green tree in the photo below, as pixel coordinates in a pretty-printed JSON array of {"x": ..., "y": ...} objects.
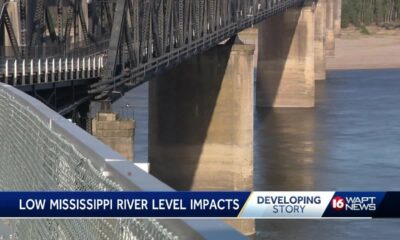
[{"x": 366, "y": 12}]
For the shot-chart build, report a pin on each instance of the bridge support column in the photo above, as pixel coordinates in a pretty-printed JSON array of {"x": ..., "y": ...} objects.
[
  {"x": 320, "y": 27},
  {"x": 338, "y": 17},
  {"x": 285, "y": 72},
  {"x": 330, "y": 28},
  {"x": 250, "y": 37},
  {"x": 114, "y": 132},
  {"x": 201, "y": 123}
]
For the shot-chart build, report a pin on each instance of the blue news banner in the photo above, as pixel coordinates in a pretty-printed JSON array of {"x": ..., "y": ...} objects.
[{"x": 260, "y": 205}]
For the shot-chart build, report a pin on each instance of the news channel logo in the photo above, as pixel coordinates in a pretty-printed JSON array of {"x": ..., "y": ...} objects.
[{"x": 354, "y": 203}]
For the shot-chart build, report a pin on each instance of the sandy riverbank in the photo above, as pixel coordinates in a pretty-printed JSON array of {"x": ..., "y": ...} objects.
[{"x": 354, "y": 50}]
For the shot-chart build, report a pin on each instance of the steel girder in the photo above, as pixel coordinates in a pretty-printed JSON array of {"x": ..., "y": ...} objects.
[
  {"x": 55, "y": 18},
  {"x": 5, "y": 20},
  {"x": 148, "y": 35}
]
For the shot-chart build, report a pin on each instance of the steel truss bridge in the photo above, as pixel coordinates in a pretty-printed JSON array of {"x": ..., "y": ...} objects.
[
  {"x": 115, "y": 45},
  {"x": 67, "y": 52}
]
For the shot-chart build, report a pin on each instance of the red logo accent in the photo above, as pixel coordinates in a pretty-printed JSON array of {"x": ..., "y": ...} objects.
[{"x": 338, "y": 203}]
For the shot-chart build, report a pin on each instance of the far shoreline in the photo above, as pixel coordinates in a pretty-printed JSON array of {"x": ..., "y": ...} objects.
[
  {"x": 362, "y": 69},
  {"x": 356, "y": 51}
]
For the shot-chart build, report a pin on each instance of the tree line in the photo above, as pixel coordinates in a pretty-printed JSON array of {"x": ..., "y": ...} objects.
[{"x": 385, "y": 13}]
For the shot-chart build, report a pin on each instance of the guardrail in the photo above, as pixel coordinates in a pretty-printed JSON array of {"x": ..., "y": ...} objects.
[
  {"x": 73, "y": 50},
  {"x": 52, "y": 70},
  {"x": 40, "y": 150}
]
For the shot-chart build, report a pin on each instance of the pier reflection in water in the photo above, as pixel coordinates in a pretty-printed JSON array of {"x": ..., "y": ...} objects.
[{"x": 350, "y": 141}]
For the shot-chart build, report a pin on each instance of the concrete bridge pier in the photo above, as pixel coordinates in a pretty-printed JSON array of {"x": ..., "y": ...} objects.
[
  {"x": 285, "y": 72},
  {"x": 320, "y": 31},
  {"x": 250, "y": 37},
  {"x": 338, "y": 17},
  {"x": 330, "y": 28},
  {"x": 115, "y": 132},
  {"x": 201, "y": 123}
]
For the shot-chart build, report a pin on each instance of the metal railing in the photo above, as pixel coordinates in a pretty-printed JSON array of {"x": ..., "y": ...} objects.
[
  {"x": 29, "y": 72},
  {"x": 40, "y": 150},
  {"x": 73, "y": 50}
]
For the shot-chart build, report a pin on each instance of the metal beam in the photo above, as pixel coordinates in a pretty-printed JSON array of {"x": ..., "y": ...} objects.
[{"x": 116, "y": 38}]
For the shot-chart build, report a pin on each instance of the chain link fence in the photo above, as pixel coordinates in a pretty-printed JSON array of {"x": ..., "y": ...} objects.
[{"x": 34, "y": 155}]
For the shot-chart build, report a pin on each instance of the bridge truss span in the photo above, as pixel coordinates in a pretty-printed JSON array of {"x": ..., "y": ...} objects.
[
  {"x": 149, "y": 36},
  {"x": 137, "y": 38}
]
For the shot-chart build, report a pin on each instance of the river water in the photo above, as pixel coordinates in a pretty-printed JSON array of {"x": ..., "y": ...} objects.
[{"x": 349, "y": 141}]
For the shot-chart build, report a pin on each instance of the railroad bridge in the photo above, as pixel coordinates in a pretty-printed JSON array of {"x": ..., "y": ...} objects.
[{"x": 201, "y": 58}]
